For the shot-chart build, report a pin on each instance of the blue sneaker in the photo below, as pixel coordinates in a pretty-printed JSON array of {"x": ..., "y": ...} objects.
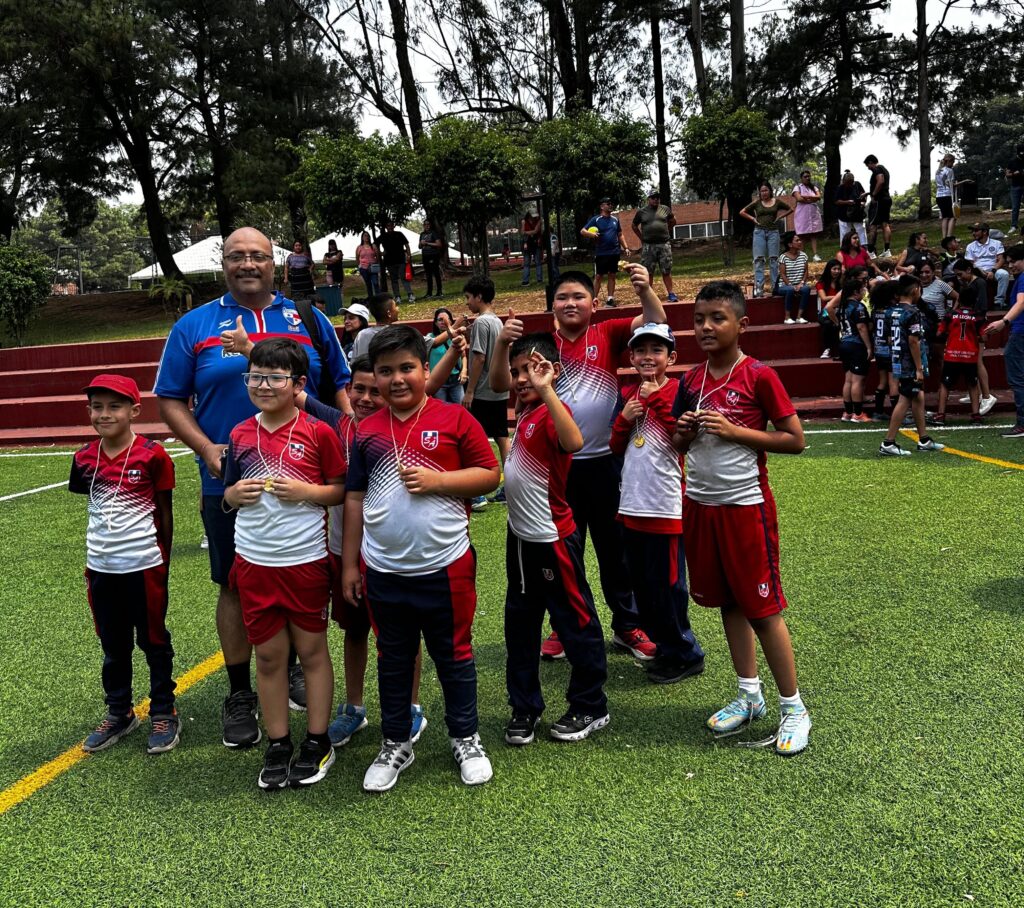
[
  {"x": 498, "y": 497},
  {"x": 478, "y": 503},
  {"x": 794, "y": 730},
  {"x": 348, "y": 721},
  {"x": 111, "y": 730},
  {"x": 738, "y": 714},
  {"x": 419, "y": 723},
  {"x": 672, "y": 298},
  {"x": 165, "y": 734}
]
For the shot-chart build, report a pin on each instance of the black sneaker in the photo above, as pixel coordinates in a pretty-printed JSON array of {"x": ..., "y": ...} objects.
[
  {"x": 239, "y": 715},
  {"x": 111, "y": 730},
  {"x": 520, "y": 729},
  {"x": 312, "y": 763},
  {"x": 577, "y": 726},
  {"x": 668, "y": 670},
  {"x": 275, "y": 766},
  {"x": 296, "y": 689}
]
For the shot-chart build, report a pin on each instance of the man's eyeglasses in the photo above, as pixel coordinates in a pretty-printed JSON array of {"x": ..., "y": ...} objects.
[
  {"x": 255, "y": 379},
  {"x": 257, "y": 258}
]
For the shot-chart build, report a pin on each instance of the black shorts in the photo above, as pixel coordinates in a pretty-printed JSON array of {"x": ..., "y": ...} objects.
[
  {"x": 945, "y": 203},
  {"x": 220, "y": 535},
  {"x": 883, "y": 362},
  {"x": 606, "y": 264},
  {"x": 492, "y": 415},
  {"x": 854, "y": 358},
  {"x": 879, "y": 212},
  {"x": 953, "y": 372},
  {"x": 911, "y": 387}
]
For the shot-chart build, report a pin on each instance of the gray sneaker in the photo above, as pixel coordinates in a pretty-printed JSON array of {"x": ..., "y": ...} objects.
[
  {"x": 891, "y": 449},
  {"x": 383, "y": 773},
  {"x": 930, "y": 444}
]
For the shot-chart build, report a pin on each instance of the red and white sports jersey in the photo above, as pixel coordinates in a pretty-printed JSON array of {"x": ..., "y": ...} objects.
[
  {"x": 651, "y": 499},
  {"x": 415, "y": 534},
  {"x": 276, "y": 533},
  {"x": 536, "y": 471},
  {"x": 962, "y": 330},
  {"x": 588, "y": 382},
  {"x": 121, "y": 535},
  {"x": 723, "y": 472},
  {"x": 346, "y": 430}
]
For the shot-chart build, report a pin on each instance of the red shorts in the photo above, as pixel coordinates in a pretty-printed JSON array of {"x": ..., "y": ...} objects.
[
  {"x": 348, "y": 616},
  {"x": 732, "y": 553},
  {"x": 275, "y": 596}
]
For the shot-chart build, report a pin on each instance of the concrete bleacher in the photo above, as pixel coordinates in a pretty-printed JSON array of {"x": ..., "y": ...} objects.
[{"x": 41, "y": 400}]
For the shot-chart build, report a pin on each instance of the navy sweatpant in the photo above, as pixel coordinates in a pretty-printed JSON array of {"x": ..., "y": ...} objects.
[
  {"x": 657, "y": 568},
  {"x": 440, "y": 606},
  {"x": 126, "y": 607},
  {"x": 592, "y": 492},
  {"x": 549, "y": 576}
]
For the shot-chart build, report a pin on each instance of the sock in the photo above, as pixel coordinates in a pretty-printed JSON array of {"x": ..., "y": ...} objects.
[
  {"x": 879, "y": 401},
  {"x": 238, "y": 677},
  {"x": 792, "y": 701},
  {"x": 750, "y": 686},
  {"x": 893, "y": 400},
  {"x": 848, "y": 406},
  {"x": 321, "y": 739},
  {"x": 858, "y": 407},
  {"x": 924, "y": 438},
  {"x": 286, "y": 740}
]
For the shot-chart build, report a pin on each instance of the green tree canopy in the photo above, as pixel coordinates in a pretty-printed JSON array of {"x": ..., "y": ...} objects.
[{"x": 24, "y": 286}]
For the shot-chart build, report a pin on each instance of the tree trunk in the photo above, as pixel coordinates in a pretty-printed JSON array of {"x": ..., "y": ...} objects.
[
  {"x": 924, "y": 143},
  {"x": 481, "y": 258},
  {"x": 836, "y": 117},
  {"x": 410, "y": 89},
  {"x": 561, "y": 39},
  {"x": 738, "y": 53},
  {"x": 696, "y": 39},
  {"x": 664, "y": 183},
  {"x": 582, "y": 14}
]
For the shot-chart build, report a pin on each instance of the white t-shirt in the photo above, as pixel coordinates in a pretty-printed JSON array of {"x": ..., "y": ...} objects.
[
  {"x": 944, "y": 179},
  {"x": 984, "y": 254}
]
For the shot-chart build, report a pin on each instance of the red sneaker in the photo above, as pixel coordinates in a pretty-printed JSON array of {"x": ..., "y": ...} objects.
[
  {"x": 552, "y": 648},
  {"x": 636, "y": 642}
]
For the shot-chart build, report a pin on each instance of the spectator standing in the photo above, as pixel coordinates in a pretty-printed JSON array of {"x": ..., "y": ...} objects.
[
  {"x": 807, "y": 216},
  {"x": 395, "y": 255},
  {"x": 368, "y": 264},
  {"x": 983, "y": 253},
  {"x": 531, "y": 229},
  {"x": 945, "y": 193},
  {"x": 555, "y": 251},
  {"x": 764, "y": 213},
  {"x": 1015, "y": 174},
  {"x": 1014, "y": 351},
  {"x": 431, "y": 247},
  {"x": 606, "y": 232},
  {"x": 827, "y": 289},
  {"x": 298, "y": 271},
  {"x": 793, "y": 279},
  {"x": 653, "y": 224},
  {"x": 879, "y": 207},
  {"x": 334, "y": 264},
  {"x": 850, "y": 205}
]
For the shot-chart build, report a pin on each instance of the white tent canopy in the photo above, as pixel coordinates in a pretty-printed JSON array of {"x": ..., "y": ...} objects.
[
  {"x": 204, "y": 256},
  {"x": 348, "y": 242}
]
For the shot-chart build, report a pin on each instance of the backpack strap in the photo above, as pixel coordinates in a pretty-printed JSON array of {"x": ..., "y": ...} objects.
[{"x": 326, "y": 388}]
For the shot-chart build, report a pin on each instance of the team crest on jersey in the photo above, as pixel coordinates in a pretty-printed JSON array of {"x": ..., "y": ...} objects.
[
  {"x": 296, "y": 450},
  {"x": 429, "y": 439},
  {"x": 292, "y": 317},
  {"x": 548, "y": 573},
  {"x": 592, "y": 352},
  {"x": 762, "y": 590},
  {"x": 529, "y": 429},
  {"x": 134, "y": 475},
  {"x": 732, "y": 398}
]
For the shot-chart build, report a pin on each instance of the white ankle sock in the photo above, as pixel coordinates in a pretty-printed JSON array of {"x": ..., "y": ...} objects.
[
  {"x": 792, "y": 701},
  {"x": 750, "y": 686}
]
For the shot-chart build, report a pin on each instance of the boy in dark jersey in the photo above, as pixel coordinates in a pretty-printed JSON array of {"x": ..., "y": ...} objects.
[
  {"x": 961, "y": 329},
  {"x": 544, "y": 556},
  {"x": 910, "y": 366},
  {"x": 406, "y": 548},
  {"x": 854, "y": 348},
  {"x": 883, "y": 305},
  {"x": 128, "y": 543}
]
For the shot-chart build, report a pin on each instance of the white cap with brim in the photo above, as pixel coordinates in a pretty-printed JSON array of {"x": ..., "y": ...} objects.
[
  {"x": 358, "y": 309},
  {"x": 653, "y": 329}
]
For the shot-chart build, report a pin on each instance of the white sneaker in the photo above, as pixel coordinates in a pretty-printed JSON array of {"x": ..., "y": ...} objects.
[
  {"x": 801, "y": 321},
  {"x": 412, "y": 298},
  {"x": 891, "y": 449},
  {"x": 887, "y": 254},
  {"x": 794, "y": 730},
  {"x": 827, "y": 354},
  {"x": 987, "y": 403},
  {"x": 872, "y": 255},
  {"x": 394, "y": 756},
  {"x": 817, "y": 258},
  {"x": 930, "y": 445},
  {"x": 789, "y": 321},
  {"x": 473, "y": 763},
  {"x": 204, "y": 543},
  {"x": 966, "y": 399}
]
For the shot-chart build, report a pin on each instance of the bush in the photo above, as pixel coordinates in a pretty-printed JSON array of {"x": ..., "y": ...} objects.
[{"x": 24, "y": 287}]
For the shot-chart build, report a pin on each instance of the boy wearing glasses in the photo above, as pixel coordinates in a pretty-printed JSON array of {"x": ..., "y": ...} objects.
[{"x": 283, "y": 468}]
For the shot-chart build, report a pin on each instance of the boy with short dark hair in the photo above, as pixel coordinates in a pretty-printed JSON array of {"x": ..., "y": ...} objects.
[
  {"x": 128, "y": 547},
  {"x": 729, "y": 519},
  {"x": 651, "y": 505},
  {"x": 283, "y": 468},
  {"x": 384, "y": 308},
  {"x": 544, "y": 556},
  {"x": 406, "y": 547}
]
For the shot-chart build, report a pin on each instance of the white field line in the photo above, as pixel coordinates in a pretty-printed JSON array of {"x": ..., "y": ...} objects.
[
  {"x": 884, "y": 426},
  {"x": 172, "y": 451}
]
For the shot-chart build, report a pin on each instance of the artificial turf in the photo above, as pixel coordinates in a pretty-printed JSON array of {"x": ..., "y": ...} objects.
[{"x": 905, "y": 584}]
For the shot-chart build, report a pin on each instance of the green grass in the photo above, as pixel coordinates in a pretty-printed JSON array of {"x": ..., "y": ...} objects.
[{"x": 905, "y": 584}]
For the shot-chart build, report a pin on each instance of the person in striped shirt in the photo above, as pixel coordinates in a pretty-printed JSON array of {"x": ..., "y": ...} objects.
[{"x": 793, "y": 285}]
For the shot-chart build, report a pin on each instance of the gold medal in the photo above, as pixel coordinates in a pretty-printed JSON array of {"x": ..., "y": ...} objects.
[
  {"x": 268, "y": 484},
  {"x": 638, "y": 442}
]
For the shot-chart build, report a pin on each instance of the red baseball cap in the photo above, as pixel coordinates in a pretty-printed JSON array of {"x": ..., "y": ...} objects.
[{"x": 119, "y": 384}]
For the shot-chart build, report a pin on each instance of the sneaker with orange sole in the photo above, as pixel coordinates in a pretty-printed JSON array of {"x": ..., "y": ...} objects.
[{"x": 637, "y": 643}]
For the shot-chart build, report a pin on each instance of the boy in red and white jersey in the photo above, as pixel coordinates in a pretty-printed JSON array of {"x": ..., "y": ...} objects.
[
  {"x": 962, "y": 330},
  {"x": 729, "y": 521},
  {"x": 128, "y": 546},
  {"x": 282, "y": 469},
  {"x": 651, "y": 505},
  {"x": 406, "y": 548},
  {"x": 544, "y": 556},
  {"x": 589, "y": 353}
]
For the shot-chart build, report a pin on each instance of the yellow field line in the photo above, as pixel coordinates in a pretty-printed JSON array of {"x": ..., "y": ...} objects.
[
  {"x": 30, "y": 784},
  {"x": 981, "y": 458}
]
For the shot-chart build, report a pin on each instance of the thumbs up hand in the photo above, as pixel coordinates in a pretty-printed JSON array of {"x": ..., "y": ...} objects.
[
  {"x": 236, "y": 340},
  {"x": 513, "y": 329}
]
